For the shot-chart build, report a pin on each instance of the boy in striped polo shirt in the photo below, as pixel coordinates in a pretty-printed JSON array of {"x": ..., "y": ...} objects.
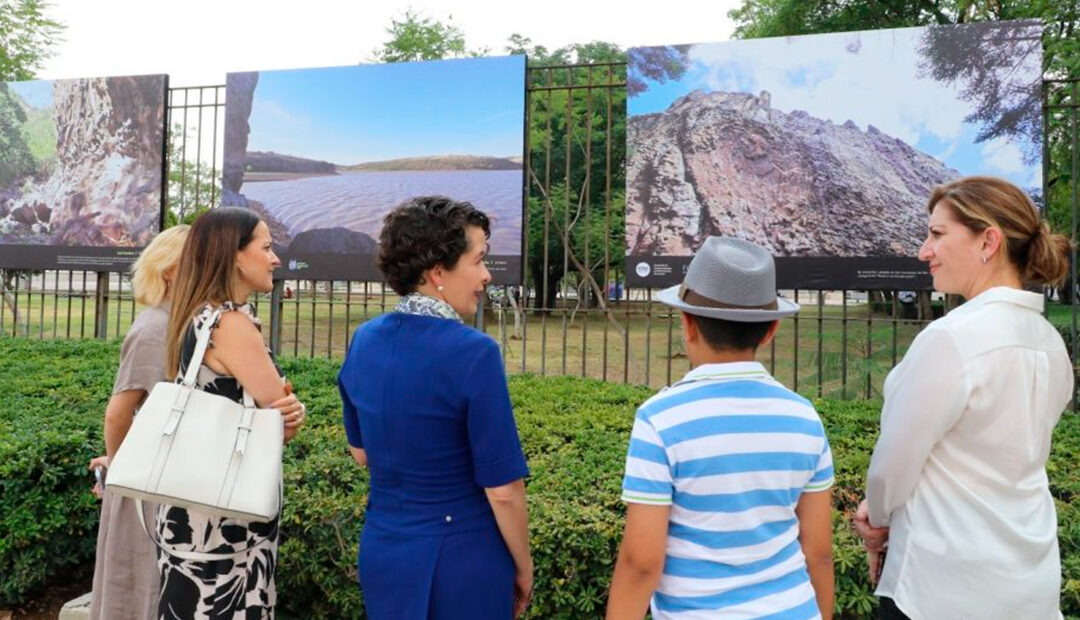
[{"x": 728, "y": 472}]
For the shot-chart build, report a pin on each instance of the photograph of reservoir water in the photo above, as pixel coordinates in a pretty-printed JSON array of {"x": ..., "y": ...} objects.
[{"x": 323, "y": 154}]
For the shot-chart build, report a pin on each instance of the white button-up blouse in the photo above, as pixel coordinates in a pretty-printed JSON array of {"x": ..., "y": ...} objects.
[{"x": 959, "y": 473}]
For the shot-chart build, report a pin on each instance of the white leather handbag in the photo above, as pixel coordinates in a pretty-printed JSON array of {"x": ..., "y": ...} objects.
[{"x": 190, "y": 448}]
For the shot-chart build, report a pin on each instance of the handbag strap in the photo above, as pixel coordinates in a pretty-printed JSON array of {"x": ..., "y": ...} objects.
[{"x": 202, "y": 342}]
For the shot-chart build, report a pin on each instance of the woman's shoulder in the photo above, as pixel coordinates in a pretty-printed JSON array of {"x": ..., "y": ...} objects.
[
  {"x": 225, "y": 314},
  {"x": 149, "y": 325},
  {"x": 150, "y": 318}
]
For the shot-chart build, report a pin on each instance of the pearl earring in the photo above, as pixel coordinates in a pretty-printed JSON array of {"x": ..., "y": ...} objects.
[
  {"x": 984, "y": 259},
  {"x": 440, "y": 287}
]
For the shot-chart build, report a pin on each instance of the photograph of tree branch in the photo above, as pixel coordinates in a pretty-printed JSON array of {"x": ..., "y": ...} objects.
[
  {"x": 824, "y": 148},
  {"x": 324, "y": 154},
  {"x": 80, "y": 168}
]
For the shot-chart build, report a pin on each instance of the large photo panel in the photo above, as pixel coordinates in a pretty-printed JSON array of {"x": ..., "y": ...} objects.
[
  {"x": 324, "y": 154},
  {"x": 81, "y": 171},
  {"x": 823, "y": 148}
]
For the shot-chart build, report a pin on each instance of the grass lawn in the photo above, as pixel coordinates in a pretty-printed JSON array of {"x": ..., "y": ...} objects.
[{"x": 841, "y": 352}]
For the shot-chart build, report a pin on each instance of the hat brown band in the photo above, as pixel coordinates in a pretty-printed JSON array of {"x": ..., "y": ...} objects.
[{"x": 692, "y": 297}]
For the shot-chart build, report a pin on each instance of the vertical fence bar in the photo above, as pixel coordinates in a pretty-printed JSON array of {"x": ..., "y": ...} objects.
[
  {"x": 820, "y": 340},
  {"x": 795, "y": 348},
  {"x": 869, "y": 341},
  {"x": 585, "y": 296},
  {"x": 41, "y": 308},
  {"x": 843, "y": 346},
  {"x": 547, "y": 201},
  {"x": 101, "y": 304},
  {"x": 569, "y": 138},
  {"x": 607, "y": 221},
  {"x": 1074, "y": 123}
]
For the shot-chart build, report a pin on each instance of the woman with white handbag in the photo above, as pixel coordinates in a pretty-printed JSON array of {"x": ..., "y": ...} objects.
[{"x": 227, "y": 257}]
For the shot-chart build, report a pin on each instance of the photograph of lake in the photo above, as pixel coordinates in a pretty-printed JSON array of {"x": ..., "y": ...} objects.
[
  {"x": 359, "y": 200},
  {"x": 324, "y": 154}
]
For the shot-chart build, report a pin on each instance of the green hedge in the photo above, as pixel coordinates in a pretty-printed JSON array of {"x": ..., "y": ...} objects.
[{"x": 574, "y": 432}]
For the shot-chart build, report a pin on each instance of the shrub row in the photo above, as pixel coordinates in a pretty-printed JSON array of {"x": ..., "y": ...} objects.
[{"x": 574, "y": 432}]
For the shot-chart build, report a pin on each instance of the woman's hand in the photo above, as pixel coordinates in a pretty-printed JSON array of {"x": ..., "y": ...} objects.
[
  {"x": 293, "y": 414},
  {"x": 103, "y": 463},
  {"x": 523, "y": 590},
  {"x": 875, "y": 539}
]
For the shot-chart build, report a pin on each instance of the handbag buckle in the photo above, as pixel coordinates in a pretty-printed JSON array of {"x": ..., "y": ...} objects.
[
  {"x": 177, "y": 411},
  {"x": 243, "y": 430}
]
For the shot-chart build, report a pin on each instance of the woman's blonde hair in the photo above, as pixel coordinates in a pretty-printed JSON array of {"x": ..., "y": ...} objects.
[
  {"x": 1041, "y": 256},
  {"x": 148, "y": 273}
]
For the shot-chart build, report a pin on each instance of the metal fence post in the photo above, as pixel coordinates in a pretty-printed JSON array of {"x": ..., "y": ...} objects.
[
  {"x": 276, "y": 296},
  {"x": 101, "y": 305}
]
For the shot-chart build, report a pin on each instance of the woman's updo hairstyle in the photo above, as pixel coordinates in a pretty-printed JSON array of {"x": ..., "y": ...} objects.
[
  {"x": 1041, "y": 256},
  {"x": 421, "y": 233}
]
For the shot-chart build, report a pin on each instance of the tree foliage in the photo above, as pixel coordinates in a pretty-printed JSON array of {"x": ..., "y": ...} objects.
[
  {"x": 657, "y": 64},
  {"x": 577, "y": 148},
  {"x": 26, "y": 34},
  {"x": 417, "y": 37},
  {"x": 193, "y": 186},
  {"x": 981, "y": 62}
]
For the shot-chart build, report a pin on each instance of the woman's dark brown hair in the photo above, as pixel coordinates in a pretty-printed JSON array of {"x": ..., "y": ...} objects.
[
  {"x": 421, "y": 233},
  {"x": 207, "y": 270},
  {"x": 1039, "y": 255}
]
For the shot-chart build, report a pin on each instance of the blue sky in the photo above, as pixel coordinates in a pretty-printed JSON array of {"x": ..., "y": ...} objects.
[
  {"x": 868, "y": 77},
  {"x": 38, "y": 93},
  {"x": 354, "y": 114}
]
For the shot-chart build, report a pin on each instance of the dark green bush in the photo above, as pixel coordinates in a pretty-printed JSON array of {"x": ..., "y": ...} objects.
[{"x": 574, "y": 432}]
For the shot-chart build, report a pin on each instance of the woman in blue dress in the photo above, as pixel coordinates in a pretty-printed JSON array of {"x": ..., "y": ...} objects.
[{"x": 426, "y": 409}]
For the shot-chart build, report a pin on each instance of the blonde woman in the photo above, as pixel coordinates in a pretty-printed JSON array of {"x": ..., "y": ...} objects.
[
  {"x": 125, "y": 575},
  {"x": 957, "y": 482}
]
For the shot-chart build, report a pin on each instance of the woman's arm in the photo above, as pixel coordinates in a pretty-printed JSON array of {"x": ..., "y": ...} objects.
[
  {"x": 358, "y": 455},
  {"x": 239, "y": 351},
  {"x": 924, "y": 401},
  {"x": 119, "y": 413},
  {"x": 512, "y": 516}
]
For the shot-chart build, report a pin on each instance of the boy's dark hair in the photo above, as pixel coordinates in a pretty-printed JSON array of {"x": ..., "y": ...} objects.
[
  {"x": 723, "y": 335},
  {"x": 423, "y": 232}
]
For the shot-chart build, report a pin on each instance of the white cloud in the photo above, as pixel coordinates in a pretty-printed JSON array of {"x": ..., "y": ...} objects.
[
  {"x": 1003, "y": 157},
  {"x": 275, "y": 112},
  {"x": 867, "y": 77}
]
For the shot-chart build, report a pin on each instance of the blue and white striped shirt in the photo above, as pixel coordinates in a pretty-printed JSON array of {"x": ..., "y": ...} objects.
[{"x": 730, "y": 449}]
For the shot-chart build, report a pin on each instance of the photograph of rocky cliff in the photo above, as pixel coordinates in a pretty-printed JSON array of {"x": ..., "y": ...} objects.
[
  {"x": 81, "y": 161},
  {"x": 823, "y": 146},
  {"x": 324, "y": 154}
]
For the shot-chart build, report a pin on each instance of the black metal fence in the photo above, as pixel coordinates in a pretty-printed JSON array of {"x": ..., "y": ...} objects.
[{"x": 573, "y": 315}]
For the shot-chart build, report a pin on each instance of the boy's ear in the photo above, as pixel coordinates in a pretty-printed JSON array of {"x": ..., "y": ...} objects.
[
  {"x": 690, "y": 328},
  {"x": 769, "y": 335}
]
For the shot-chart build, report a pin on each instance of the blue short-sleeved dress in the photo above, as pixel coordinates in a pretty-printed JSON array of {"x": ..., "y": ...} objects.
[{"x": 426, "y": 398}]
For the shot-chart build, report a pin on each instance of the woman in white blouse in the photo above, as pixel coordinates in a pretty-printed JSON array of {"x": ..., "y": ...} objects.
[{"x": 957, "y": 486}]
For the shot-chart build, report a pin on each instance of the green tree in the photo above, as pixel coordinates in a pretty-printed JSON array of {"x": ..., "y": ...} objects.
[
  {"x": 417, "y": 37},
  {"x": 193, "y": 186},
  {"x": 577, "y": 145},
  {"x": 26, "y": 35}
]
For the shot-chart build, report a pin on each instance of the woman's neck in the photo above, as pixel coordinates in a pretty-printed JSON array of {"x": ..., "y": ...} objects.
[{"x": 999, "y": 277}]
